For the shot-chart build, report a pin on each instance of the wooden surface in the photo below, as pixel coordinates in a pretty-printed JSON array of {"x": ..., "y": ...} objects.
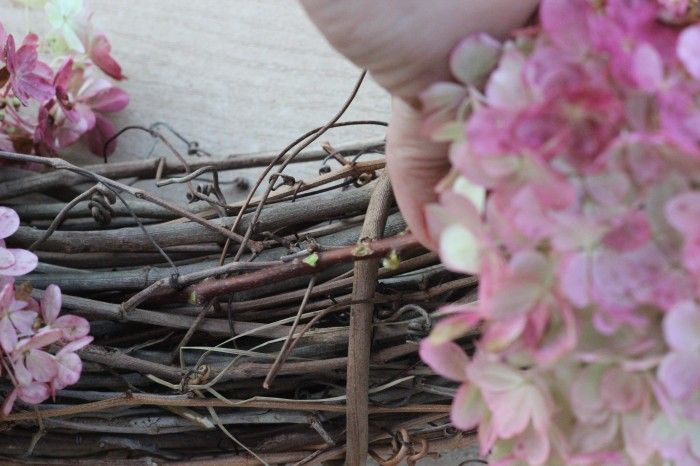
[{"x": 236, "y": 75}]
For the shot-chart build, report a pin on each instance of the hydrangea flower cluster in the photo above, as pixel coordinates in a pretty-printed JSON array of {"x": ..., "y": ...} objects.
[
  {"x": 37, "y": 347},
  {"x": 575, "y": 196},
  {"x": 47, "y": 107}
]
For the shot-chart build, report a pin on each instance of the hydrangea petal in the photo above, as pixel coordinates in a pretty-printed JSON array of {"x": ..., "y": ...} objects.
[
  {"x": 689, "y": 50},
  {"x": 446, "y": 359},
  {"x": 97, "y": 137},
  {"x": 7, "y": 296},
  {"x": 474, "y": 58},
  {"x": 51, "y": 303},
  {"x": 648, "y": 68},
  {"x": 41, "y": 339},
  {"x": 452, "y": 327},
  {"x": 467, "y": 407},
  {"x": 9, "y": 222},
  {"x": 25, "y": 262},
  {"x": 22, "y": 374},
  {"x": 23, "y": 321},
  {"x": 8, "y": 335},
  {"x": 585, "y": 395},
  {"x": 566, "y": 23},
  {"x": 441, "y": 95},
  {"x": 109, "y": 99},
  {"x": 33, "y": 393},
  {"x": 494, "y": 376},
  {"x": 532, "y": 447},
  {"x": 7, "y": 259},
  {"x": 682, "y": 327},
  {"x": 69, "y": 368},
  {"x": 100, "y": 49},
  {"x": 72, "y": 326},
  {"x": 683, "y": 212},
  {"x": 520, "y": 298},
  {"x": 459, "y": 249},
  {"x": 506, "y": 87},
  {"x": 41, "y": 365},
  {"x": 635, "y": 435},
  {"x": 501, "y": 333},
  {"x": 512, "y": 409},
  {"x": 75, "y": 345},
  {"x": 680, "y": 374},
  {"x": 632, "y": 232},
  {"x": 595, "y": 437},
  {"x": 620, "y": 391},
  {"x": 575, "y": 279}
]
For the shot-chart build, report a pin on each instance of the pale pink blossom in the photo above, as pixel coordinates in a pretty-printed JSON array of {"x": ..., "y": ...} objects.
[
  {"x": 13, "y": 262},
  {"x": 29, "y": 332},
  {"x": 82, "y": 102},
  {"x": 586, "y": 141}
]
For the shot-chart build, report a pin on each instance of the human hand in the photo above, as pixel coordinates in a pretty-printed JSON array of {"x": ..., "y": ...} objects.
[{"x": 405, "y": 45}]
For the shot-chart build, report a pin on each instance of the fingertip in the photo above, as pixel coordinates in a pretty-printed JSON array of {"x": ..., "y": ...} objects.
[{"x": 416, "y": 165}]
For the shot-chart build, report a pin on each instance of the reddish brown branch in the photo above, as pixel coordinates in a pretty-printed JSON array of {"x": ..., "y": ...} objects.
[{"x": 203, "y": 292}]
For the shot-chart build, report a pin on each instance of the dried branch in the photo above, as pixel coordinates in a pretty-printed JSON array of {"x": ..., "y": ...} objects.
[
  {"x": 266, "y": 322},
  {"x": 136, "y": 192},
  {"x": 148, "y": 168},
  {"x": 317, "y": 209},
  {"x": 360, "y": 337},
  {"x": 142, "y": 399},
  {"x": 370, "y": 250}
]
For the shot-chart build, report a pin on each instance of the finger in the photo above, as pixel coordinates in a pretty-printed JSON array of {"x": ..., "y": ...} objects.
[
  {"x": 405, "y": 44},
  {"x": 415, "y": 166}
]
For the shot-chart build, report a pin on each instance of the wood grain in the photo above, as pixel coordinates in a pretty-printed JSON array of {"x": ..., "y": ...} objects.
[{"x": 237, "y": 75}]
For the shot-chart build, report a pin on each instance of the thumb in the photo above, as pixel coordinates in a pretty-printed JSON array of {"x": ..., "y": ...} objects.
[{"x": 415, "y": 165}]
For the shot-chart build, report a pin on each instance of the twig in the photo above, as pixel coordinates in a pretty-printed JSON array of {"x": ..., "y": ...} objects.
[
  {"x": 202, "y": 292},
  {"x": 94, "y": 309},
  {"x": 308, "y": 139},
  {"x": 142, "y": 399},
  {"x": 317, "y": 209},
  {"x": 61, "y": 216},
  {"x": 284, "y": 351},
  {"x": 61, "y": 164},
  {"x": 187, "y": 279},
  {"x": 119, "y": 360},
  {"x": 188, "y": 335},
  {"x": 147, "y": 168},
  {"x": 360, "y": 337},
  {"x": 324, "y": 289},
  {"x": 144, "y": 209}
]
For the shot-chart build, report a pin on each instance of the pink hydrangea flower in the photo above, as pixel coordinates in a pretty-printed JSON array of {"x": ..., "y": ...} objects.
[
  {"x": 29, "y": 78},
  {"x": 586, "y": 139},
  {"x": 29, "y": 331},
  {"x": 80, "y": 108},
  {"x": 74, "y": 102}
]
